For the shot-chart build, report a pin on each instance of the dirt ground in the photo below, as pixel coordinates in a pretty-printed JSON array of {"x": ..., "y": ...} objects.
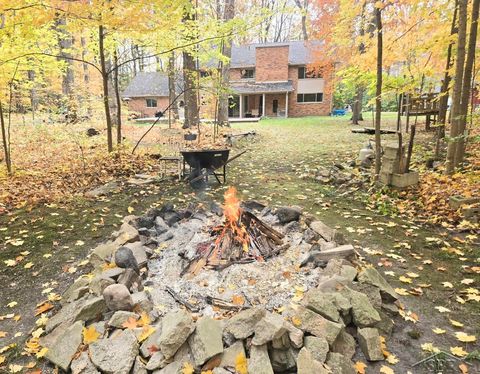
[{"x": 273, "y": 171}]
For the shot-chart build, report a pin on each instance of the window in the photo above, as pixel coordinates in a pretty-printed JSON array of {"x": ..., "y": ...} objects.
[
  {"x": 310, "y": 98},
  {"x": 304, "y": 73},
  {"x": 248, "y": 73},
  {"x": 151, "y": 103}
]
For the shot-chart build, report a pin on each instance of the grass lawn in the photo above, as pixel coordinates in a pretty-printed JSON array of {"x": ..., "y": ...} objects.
[{"x": 273, "y": 170}]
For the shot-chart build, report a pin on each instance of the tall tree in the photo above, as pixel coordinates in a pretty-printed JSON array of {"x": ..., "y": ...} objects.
[
  {"x": 378, "y": 90},
  {"x": 303, "y": 6},
  {"x": 457, "y": 87},
  {"x": 172, "y": 92}
]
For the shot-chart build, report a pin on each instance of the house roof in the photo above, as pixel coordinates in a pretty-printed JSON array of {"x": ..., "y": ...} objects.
[
  {"x": 146, "y": 84},
  {"x": 300, "y": 52},
  {"x": 261, "y": 87}
]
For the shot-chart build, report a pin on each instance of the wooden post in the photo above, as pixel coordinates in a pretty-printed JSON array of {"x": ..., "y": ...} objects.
[
  {"x": 286, "y": 104},
  {"x": 410, "y": 149},
  {"x": 241, "y": 106},
  {"x": 263, "y": 106},
  {"x": 399, "y": 113}
]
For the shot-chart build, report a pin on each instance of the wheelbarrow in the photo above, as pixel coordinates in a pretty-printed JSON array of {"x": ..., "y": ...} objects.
[{"x": 203, "y": 163}]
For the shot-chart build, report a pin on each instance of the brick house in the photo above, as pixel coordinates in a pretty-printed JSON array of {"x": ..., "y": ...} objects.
[
  {"x": 279, "y": 80},
  {"x": 147, "y": 93},
  {"x": 266, "y": 80}
]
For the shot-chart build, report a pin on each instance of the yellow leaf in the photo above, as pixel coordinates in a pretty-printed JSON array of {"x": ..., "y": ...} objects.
[
  {"x": 467, "y": 281},
  {"x": 12, "y": 304},
  {"x": 442, "y": 309},
  {"x": 386, "y": 370},
  {"x": 146, "y": 332},
  {"x": 413, "y": 275},
  {"x": 131, "y": 323},
  {"x": 296, "y": 321},
  {"x": 2, "y": 359},
  {"x": 3, "y": 334},
  {"x": 458, "y": 351},
  {"x": 439, "y": 331},
  {"x": 405, "y": 279},
  {"x": 465, "y": 338},
  {"x": 38, "y": 332},
  {"x": 188, "y": 368},
  {"x": 429, "y": 347},
  {"x": 41, "y": 353},
  {"x": 15, "y": 368},
  {"x": 43, "y": 308},
  {"x": 130, "y": 209},
  {"x": 238, "y": 300},
  {"x": 28, "y": 265},
  {"x": 456, "y": 323},
  {"x": 10, "y": 262},
  {"x": 392, "y": 359},
  {"x": 144, "y": 320},
  {"x": 447, "y": 285},
  {"x": 90, "y": 335},
  {"x": 241, "y": 363},
  {"x": 402, "y": 291},
  {"x": 360, "y": 367}
]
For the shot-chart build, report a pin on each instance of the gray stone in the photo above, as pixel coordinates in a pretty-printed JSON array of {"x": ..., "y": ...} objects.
[
  {"x": 322, "y": 303},
  {"x": 369, "y": 341},
  {"x": 344, "y": 251},
  {"x": 142, "y": 301},
  {"x": 242, "y": 325},
  {"x": 139, "y": 252},
  {"x": 184, "y": 354},
  {"x": 317, "y": 325},
  {"x": 99, "y": 283},
  {"x": 139, "y": 367},
  {"x": 306, "y": 363},
  {"x": 125, "y": 259},
  {"x": 77, "y": 289},
  {"x": 102, "y": 253},
  {"x": 120, "y": 317},
  {"x": 371, "y": 276},
  {"x": 117, "y": 297},
  {"x": 344, "y": 344},
  {"x": 102, "y": 190},
  {"x": 113, "y": 273},
  {"x": 126, "y": 234},
  {"x": 327, "y": 233},
  {"x": 283, "y": 342},
  {"x": 173, "y": 368},
  {"x": 287, "y": 214},
  {"x": 230, "y": 354},
  {"x": 131, "y": 280},
  {"x": 363, "y": 313},
  {"x": 270, "y": 327},
  {"x": 206, "y": 341},
  {"x": 83, "y": 365},
  {"x": 48, "y": 340},
  {"x": 370, "y": 291},
  {"x": 318, "y": 347},
  {"x": 340, "y": 364},
  {"x": 259, "y": 362},
  {"x": 295, "y": 335},
  {"x": 116, "y": 354},
  {"x": 157, "y": 361},
  {"x": 151, "y": 344},
  {"x": 386, "y": 324},
  {"x": 176, "y": 328},
  {"x": 91, "y": 309},
  {"x": 342, "y": 268},
  {"x": 282, "y": 360},
  {"x": 332, "y": 284},
  {"x": 220, "y": 370},
  {"x": 62, "y": 351},
  {"x": 160, "y": 226}
]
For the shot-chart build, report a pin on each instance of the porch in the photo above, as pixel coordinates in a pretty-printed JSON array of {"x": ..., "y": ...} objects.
[{"x": 256, "y": 100}]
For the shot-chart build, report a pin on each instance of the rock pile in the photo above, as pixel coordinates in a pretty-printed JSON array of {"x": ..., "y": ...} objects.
[{"x": 118, "y": 320}]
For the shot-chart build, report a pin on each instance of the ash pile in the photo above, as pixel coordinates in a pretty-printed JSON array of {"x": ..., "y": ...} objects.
[{"x": 246, "y": 289}]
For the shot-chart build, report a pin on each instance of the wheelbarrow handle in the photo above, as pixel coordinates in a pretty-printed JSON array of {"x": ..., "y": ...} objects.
[{"x": 234, "y": 157}]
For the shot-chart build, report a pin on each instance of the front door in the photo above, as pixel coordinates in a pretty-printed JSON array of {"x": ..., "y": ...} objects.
[{"x": 275, "y": 106}]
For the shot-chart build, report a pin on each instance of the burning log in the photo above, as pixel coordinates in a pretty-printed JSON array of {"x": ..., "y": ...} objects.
[{"x": 242, "y": 238}]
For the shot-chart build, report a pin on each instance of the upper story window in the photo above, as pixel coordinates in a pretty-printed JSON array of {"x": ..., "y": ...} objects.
[
  {"x": 151, "y": 103},
  {"x": 247, "y": 73},
  {"x": 304, "y": 72}
]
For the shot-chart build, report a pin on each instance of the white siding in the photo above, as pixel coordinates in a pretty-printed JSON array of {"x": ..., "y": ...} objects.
[{"x": 310, "y": 85}]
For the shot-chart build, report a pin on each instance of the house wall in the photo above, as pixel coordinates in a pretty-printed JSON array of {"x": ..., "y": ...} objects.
[
  {"x": 139, "y": 105},
  {"x": 308, "y": 109},
  {"x": 271, "y": 64}
]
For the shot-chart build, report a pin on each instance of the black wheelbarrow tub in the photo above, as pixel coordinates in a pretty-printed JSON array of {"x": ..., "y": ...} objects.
[{"x": 206, "y": 159}]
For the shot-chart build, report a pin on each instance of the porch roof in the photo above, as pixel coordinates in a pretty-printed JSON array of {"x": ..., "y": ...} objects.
[{"x": 261, "y": 87}]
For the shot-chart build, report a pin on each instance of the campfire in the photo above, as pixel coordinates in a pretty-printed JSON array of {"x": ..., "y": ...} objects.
[{"x": 241, "y": 238}]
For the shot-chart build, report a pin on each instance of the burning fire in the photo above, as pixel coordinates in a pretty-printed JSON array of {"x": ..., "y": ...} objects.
[{"x": 232, "y": 213}]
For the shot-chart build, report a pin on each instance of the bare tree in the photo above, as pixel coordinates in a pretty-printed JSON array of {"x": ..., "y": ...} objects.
[{"x": 303, "y": 6}]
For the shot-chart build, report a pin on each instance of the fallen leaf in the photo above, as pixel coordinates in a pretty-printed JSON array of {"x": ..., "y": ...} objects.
[
  {"x": 386, "y": 370},
  {"x": 404, "y": 279},
  {"x": 241, "y": 363},
  {"x": 458, "y": 351},
  {"x": 28, "y": 265},
  {"x": 3, "y": 334},
  {"x": 447, "y": 285},
  {"x": 130, "y": 209},
  {"x": 15, "y": 368},
  {"x": 130, "y": 324},
  {"x": 442, "y": 309},
  {"x": 456, "y": 323},
  {"x": 439, "y": 331},
  {"x": 90, "y": 335},
  {"x": 12, "y": 304},
  {"x": 402, "y": 291},
  {"x": 392, "y": 359},
  {"x": 146, "y": 332},
  {"x": 467, "y": 281},
  {"x": 41, "y": 353},
  {"x": 296, "y": 321},
  {"x": 42, "y": 308},
  {"x": 238, "y": 300},
  {"x": 429, "y": 347},
  {"x": 187, "y": 368},
  {"x": 463, "y": 368},
  {"x": 465, "y": 338}
]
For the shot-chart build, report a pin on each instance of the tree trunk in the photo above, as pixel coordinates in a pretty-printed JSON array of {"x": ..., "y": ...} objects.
[
  {"x": 190, "y": 89},
  {"x": 6, "y": 146},
  {"x": 457, "y": 87},
  {"x": 117, "y": 97},
  {"x": 378, "y": 91},
  {"x": 86, "y": 74},
  {"x": 357, "y": 106},
  {"x": 467, "y": 84},
  {"x": 443, "y": 103},
  {"x": 105, "y": 83},
  {"x": 222, "y": 115},
  {"x": 171, "y": 86},
  {"x": 303, "y": 7}
]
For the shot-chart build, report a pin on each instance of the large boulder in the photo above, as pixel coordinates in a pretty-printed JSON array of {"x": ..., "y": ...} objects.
[
  {"x": 287, "y": 214},
  {"x": 91, "y": 309},
  {"x": 117, "y": 297},
  {"x": 340, "y": 364},
  {"x": 370, "y": 344},
  {"x": 83, "y": 365},
  {"x": 176, "y": 328},
  {"x": 269, "y": 328},
  {"x": 242, "y": 325},
  {"x": 363, "y": 312},
  {"x": 102, "y": 253},
  {"x": 322, "y": 303},
  {"x": 116, "y": 354},
  {"x": 318, "y": 347},
  {"x": 344, "y": 344},
  {"x": 66, "y": 345},
  {"x": 371, "y": 276},
  {"x": 206, "y": 341}
]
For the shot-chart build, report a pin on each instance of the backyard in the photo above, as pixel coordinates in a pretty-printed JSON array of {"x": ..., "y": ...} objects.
[{"x": 434, "y": 269}]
